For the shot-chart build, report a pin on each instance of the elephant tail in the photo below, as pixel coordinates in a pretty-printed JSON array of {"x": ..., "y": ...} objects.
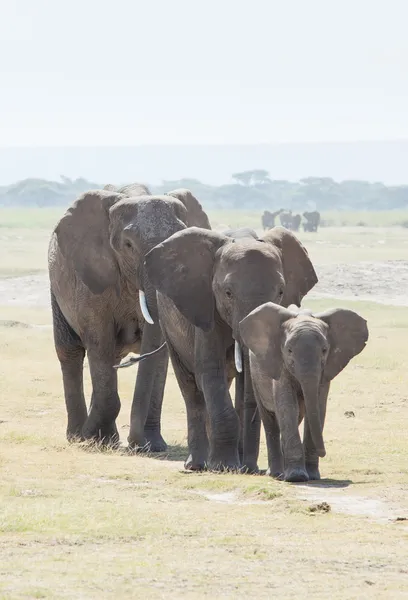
[{"x": 136, "y": 359}]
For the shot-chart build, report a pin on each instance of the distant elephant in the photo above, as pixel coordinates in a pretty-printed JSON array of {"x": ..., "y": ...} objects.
[
  {"x": 295, "y": 222},
  {"x": 290, "y": 221},
  {"x": 268, "y": 218},
  {"x": 294, "y": 355},
  {"x": 103, "y": 303},
  {"x": 312, "y": 221},
  {"x": 285, "y": 218},
  {"x": 217, "y": 281}
]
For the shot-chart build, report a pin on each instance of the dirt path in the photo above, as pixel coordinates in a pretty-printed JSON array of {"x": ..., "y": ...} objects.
[{"x": 383, "y": 282}]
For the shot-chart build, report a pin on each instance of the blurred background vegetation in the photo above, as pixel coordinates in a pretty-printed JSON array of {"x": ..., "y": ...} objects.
[{"x": 344, "y": 203}]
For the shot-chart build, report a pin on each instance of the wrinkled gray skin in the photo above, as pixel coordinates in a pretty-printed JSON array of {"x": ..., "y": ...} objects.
[
  {"x": 312, "y": 221},
  {"x": 268, "y": 218},
  {"x": 294, "y": 355},
  {"x": 96, "y": 270},
  {"x": 217, "y": 281}
]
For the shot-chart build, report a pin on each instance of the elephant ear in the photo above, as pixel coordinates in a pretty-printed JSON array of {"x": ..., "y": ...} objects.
[
  {"x": 298, "y": 270},
  {"x": 181, "y": 268},
  {"x": 262, "y": 332},
  {"x": 348, "y": 335},
  {"x": 83, "y": 239},
  {"x": 196, "y": 216}
]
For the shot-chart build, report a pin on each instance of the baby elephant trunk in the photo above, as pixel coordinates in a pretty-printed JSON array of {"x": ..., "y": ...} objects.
[{"x": 310, "y": 388}]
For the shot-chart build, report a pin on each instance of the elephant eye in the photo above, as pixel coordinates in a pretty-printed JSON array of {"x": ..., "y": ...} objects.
[
  {"x": 280, "y": 293},
  {"x": 128, "y": 244},
  {"x": 228, "y": 293},
  {"x": 324, "y": 350},
  {"x": 289, "y": 350}
]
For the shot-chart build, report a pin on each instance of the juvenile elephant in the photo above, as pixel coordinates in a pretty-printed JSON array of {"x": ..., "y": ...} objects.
[
  {"x": 207, "y": 282},
  {"x": 99, "y": 296},
  {"x": 294, "y": 355}
]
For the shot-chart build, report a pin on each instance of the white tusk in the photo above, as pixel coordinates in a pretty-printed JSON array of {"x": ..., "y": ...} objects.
[
  {"x": 238, "y": 357},
  {"x": 145, "y": 310}
]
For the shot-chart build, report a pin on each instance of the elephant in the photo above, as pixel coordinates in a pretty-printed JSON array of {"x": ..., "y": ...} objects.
[
  {"x": 104, "y": 305},
  {"x": 206, "y": 283},
  {"x": 285, "y": 218},
  {"x": 268, "y": 218},
  {"x": 294, "y": 355},
  {"x": 295, "y": 222},
  {"x": 312, "y": 221},
  {"x": 290, "y": 221}
]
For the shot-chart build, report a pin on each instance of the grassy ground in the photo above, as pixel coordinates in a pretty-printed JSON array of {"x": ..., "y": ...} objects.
[{"x": 78, "y": 523}]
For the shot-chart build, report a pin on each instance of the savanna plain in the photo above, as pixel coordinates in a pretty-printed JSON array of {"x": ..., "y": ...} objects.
[{"x": 81, "y": 522}]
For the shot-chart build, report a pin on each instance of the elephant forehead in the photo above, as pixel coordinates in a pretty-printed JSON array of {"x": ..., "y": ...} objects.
[
  {"x": 241, "y": 253},
  {"x": 304, "y": 325}
]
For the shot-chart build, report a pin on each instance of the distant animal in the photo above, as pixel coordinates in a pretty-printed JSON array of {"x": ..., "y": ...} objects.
[
  {"x": 294, "y": 355},
  {"x": 289, "y": 220},
  {"x": 312, "y": 221},
  {"x": 268, "y": 218},
  {"x": 286, "y": 218}
]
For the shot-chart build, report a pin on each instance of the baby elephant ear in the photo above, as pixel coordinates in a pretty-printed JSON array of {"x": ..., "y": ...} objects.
[
  {"x": 348, "y": 335},
  {"x": 261, "y": 332}
]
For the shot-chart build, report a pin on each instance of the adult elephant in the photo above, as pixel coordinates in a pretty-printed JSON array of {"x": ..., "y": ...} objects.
[
  {"x": 268, "y": 218},
  {"x": 217, "y": 280},
  {"x": 312, "y": 221},
  {"x": 100, "y": 294},
  {"x": 285, "y": 218},
  {"x": 295, "y": 222}
]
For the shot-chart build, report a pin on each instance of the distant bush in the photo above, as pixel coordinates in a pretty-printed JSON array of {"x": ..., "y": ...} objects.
[{"x": 250, "y": 191}]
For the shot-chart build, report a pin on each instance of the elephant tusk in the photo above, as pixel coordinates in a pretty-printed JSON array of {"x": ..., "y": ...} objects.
[
  {"x": 136, "y": 359},
  {"x": 143, "y": 306},
  {"x": 238, "y": 357}
]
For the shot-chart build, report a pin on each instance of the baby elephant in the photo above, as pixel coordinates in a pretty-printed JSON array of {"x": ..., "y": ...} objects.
[{"x": 293, "y": 357}]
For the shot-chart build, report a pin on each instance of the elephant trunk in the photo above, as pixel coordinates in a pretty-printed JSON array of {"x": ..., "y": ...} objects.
[{"x": 310, "y": 388}]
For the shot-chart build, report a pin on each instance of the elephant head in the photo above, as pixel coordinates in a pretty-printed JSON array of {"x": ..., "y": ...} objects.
[
  {"x": 312, "y": 348},
  {"x": 205, "y": 272},
  {"x": 106, "y": 234}
]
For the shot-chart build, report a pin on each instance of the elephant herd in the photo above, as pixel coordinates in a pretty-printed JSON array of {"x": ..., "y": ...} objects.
[
  {"x": 290, "y": 221},
  {"x": 136, "y": 272}
]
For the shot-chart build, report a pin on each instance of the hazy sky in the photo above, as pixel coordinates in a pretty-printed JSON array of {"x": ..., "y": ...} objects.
[{"x": 90, "y": 72}]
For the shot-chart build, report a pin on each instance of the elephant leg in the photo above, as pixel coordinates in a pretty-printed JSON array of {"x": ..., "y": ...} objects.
[
  {"x": 196, "y": 415},
  {"x": 71, "y": 353},
  {"x": 311, "y": 457},
  {"x": 273, "y": 442},
  {"x": 252, "y": 423},
  {"x": 105, "y": 404},
  {"x": 223, "y": 422},
  {"x": 152, "y": 430},
  {"x": 150, "y": 381},
  {"x": 287, "y": 408}
]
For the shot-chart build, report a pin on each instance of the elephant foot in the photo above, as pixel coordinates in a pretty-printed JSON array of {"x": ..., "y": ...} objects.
[
  {"x": 75, "y": 436},
  {"x": 106, "y": 435},
  {"x": 154, "y": 441},
  {"x": 219, "y": 462},
  {"x": 295, "y": 475},
  {"x": 192, "y": 464},
  {"x": 276, "y": 474},
  {"x": 249, "y": 468},
  {"x": 313, "y": 472}
]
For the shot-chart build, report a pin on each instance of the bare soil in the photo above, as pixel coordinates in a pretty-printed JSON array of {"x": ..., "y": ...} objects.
[{"x": 384, "y": 282}]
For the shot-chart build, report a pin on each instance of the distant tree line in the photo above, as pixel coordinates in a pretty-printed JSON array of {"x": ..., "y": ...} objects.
[{"x": 250, "y": 190}]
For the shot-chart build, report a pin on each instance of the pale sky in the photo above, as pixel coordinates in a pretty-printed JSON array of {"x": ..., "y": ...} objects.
[{"x": 128, "y": 72}]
